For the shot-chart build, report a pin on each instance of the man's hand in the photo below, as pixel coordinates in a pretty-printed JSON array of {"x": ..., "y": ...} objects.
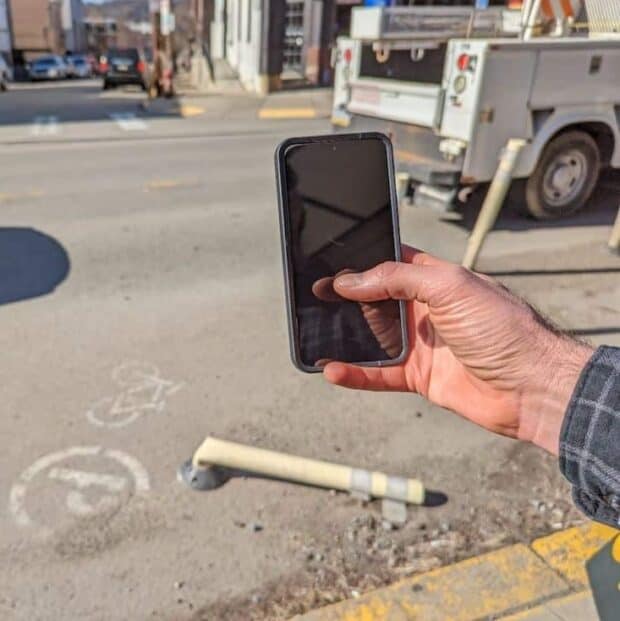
[{"x": 474, "y": 348}]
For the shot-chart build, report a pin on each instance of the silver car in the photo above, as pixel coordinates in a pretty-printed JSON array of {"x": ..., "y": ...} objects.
[
  {"x": 48, "y": 68},
  {"x": 79, "y": 67}
]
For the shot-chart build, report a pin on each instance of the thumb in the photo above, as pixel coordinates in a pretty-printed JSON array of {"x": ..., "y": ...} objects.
[{"x": 390, "y": 280}]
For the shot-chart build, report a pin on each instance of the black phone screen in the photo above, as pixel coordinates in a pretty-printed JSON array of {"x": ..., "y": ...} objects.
[{"x": 340, "y": 218}]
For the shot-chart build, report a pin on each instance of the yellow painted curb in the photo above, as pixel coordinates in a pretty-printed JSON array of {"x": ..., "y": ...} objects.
[
  {"x": 479, "y": 587},
  {"x": 493, "y": 584},
  {"x": 187, "y": 111},
  {"x": 567, "y": 550},
  {"x": 287, "y": 113}
]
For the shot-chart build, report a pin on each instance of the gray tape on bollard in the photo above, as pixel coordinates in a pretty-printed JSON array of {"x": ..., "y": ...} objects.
[
  {"x": 397, "y": 488},
  {"x": 361, "y": 481}
]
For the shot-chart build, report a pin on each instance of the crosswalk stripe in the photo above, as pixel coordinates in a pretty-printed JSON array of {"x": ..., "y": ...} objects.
[
  {"x": 45, "y": 126},
  {"x": 128, "y": 121}
]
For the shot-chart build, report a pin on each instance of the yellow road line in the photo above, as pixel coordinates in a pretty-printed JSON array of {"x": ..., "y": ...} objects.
[
  {"x": 167, "y": 184},
  {"x": 479, "y": 587},
  {"x": 287, "y": 113},
  {"x": 8, "y": 197},
  {"x": 568, "y": 550}
]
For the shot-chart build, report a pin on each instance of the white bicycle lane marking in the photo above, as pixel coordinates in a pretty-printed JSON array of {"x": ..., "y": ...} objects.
[
  {"x": 45, "y": 126},
  {"x": 129, "y": 122},
  {"x": 79, "y": 485},
  {"x": 143, "y": 391}
]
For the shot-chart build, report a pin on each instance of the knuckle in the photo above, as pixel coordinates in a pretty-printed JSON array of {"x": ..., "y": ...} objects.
[{"x": 386, "y": 270}]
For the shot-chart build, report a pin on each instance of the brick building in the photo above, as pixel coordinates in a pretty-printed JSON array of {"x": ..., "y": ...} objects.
[{"x": 44, "y": 26}]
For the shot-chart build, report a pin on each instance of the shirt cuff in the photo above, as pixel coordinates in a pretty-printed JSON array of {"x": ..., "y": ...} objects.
[{"x": 590, "y": 438}]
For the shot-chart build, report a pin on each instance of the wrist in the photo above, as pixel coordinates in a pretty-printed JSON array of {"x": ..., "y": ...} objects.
[{"x": 553, "y": 382}]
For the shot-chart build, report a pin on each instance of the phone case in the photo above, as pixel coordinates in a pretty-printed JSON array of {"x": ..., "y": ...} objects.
[{"x": 285, "y": 240}]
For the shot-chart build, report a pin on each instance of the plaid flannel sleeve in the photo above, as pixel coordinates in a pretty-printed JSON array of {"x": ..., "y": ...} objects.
[{"x": 590, "y": 438}]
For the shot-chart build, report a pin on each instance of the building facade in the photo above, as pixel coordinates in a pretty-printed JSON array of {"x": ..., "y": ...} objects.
[
  {"x": 6, "y": 38},
  {"x": 44, "y": 26},
  {"x": 271, "y": 42},
  {"x": 72, "y": 23}
]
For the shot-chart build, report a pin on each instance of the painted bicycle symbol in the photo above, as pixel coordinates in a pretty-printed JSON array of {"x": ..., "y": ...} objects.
[{"x": 143, "y": 391}]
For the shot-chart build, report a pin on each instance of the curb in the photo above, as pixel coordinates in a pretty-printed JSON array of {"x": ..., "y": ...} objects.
[
  {"x": 288, "y": 113},
  {"x": 549, "y": 572}
]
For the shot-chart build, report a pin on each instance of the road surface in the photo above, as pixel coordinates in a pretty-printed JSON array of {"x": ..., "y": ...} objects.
[{"x": 141, "y": 308}]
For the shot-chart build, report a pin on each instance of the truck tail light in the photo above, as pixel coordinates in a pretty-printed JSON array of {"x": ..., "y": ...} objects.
[
  {"x": 463, "y": 62},
  {"x": 348, "y": 56},
  {"x": 140, "y": 66},
  {"x": 467, "y": 62}
]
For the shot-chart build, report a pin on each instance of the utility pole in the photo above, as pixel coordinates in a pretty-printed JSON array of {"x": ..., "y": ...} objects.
[
  {"x": 272, "y": 45},
  {"x": 162, "y": 23},
  {"x": 155, "y": 28}
]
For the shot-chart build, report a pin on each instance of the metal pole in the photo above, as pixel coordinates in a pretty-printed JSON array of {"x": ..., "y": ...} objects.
[
  {"x": 532, "y": 17},
  {"x": 493, "y": 201},
  {"x": 614, "y": 240},
  {"x": 155, "y": 40}
]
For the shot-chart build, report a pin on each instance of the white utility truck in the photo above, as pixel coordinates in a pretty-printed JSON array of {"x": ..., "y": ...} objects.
[{"x": 452, "y": 85}]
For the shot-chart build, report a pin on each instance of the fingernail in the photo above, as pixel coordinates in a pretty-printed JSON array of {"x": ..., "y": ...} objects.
[{"x": 349, "y": 280}]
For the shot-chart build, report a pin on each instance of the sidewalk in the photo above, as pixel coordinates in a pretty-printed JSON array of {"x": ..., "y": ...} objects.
[
  {"x": 545, "y": 581},
  {"x": 295, "y": 103}
]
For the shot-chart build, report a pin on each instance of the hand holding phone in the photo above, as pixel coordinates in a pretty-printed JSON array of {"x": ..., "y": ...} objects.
[{"x": 338, "y": 213}]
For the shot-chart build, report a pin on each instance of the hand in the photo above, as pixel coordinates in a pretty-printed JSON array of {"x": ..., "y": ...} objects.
[
  {"x": 383, "y": 318},
  {"x": 474, "y": 348}
]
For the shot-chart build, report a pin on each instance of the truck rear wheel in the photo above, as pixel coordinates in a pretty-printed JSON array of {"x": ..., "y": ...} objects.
[{"x": 565, "y": 176}]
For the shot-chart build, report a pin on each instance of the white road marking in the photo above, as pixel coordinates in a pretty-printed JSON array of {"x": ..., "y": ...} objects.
[
  {"x": 143, "y": 391},
  {"x": 45, "y": 126},
  {"x": 77, "y": 480},
  {"x": 82, "y": 479},
  {"x": 129, "y": 122}
]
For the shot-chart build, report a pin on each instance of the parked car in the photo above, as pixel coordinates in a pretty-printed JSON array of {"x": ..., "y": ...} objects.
[
  {"x": 78, "y": 66},
  {"x": 5, "y": 73},
  {"x": 93, "y": 61},
  {"x": 124, "y": 66},
  {"x": 48, "y": 68}
]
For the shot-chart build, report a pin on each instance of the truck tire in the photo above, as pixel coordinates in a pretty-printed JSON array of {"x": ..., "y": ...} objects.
[{"x": 565, "y": 176}]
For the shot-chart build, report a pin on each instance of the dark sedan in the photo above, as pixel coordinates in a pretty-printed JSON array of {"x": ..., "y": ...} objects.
[{"x": 123, "y": 67}]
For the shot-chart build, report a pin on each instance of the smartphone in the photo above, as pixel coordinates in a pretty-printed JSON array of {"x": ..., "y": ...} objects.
[{"x": 338, "y": 212}]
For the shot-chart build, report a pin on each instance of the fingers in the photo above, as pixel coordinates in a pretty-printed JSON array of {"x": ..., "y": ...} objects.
[
  {"x": 365, "y": 378},
  {"x": 390, "y": 280},
  {"x": 323, "y": 289}
]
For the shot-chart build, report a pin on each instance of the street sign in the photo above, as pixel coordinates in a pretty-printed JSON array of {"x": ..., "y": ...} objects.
[
  {"x": 167, "y": 23},
  {"x": 481, "y": 5},
  {"x": 166, "y": 17}
]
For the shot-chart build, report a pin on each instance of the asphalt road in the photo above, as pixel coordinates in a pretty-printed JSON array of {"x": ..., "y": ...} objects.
[{"x": 141, "y": 308}]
